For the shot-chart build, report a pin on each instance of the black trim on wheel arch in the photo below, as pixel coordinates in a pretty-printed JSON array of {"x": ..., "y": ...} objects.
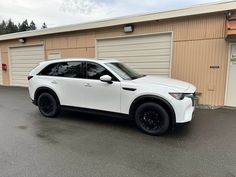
[
  {"x": 153, "y": 98},
  {"x": 42, "y": 90}
]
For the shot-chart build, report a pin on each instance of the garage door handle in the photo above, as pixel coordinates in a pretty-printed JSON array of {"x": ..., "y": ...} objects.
[{"x": 54, "y": 82}]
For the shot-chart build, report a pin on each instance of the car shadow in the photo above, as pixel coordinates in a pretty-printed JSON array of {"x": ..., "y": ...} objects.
[
  {"x": 96, "y": 119},
  {"x": 179, "y": 131}
]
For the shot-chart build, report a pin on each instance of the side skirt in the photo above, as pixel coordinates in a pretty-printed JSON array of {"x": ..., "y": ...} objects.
[{"x": 96, "y": 112}]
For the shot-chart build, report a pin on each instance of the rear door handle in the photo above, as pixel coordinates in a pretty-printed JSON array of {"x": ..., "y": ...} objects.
[{"x": 87, "y": 85}]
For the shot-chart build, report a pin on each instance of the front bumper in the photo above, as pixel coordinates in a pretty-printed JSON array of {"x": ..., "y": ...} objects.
[{"x": 185, "y": 109}]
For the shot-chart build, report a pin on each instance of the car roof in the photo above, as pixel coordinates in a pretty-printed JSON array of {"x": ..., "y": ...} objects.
[{"x": 100, "y": 60}]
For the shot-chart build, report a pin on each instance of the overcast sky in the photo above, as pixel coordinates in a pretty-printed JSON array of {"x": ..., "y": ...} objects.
[{"x": 64, "y": 12}]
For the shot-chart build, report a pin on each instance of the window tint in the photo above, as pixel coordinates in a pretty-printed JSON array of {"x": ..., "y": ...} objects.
[
  {"x": 64, "y": 69},
  {"x": 95, "y": 71}
]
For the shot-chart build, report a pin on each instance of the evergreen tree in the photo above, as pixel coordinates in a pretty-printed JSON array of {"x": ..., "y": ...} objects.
[
  {"x": 24, "y": 26},
  {"x": 3, "y": 27},
  {"x": 11, "y": 27},
  {"x": 32, "y": 25},
  {"x": 7, "y": 27},
  {"x": 44, "y": 26}
]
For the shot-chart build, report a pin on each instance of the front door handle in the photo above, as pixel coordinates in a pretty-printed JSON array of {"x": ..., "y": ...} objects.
[{"x": 87, "y": 85}]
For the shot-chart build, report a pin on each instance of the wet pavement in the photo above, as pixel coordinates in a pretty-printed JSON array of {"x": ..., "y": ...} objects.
[{"x": 75, "y": 144}]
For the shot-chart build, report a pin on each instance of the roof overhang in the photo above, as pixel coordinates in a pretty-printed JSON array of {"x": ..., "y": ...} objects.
[{"x": 195, "y": 10}]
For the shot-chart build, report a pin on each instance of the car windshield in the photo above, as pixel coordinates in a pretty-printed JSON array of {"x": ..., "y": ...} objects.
[{"x": 124, "y": 71}]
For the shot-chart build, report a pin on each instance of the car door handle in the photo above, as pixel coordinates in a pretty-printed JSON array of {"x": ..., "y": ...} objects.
[
  {"x": 87, "y": 85},
  {"x": 54, "y": 82}
]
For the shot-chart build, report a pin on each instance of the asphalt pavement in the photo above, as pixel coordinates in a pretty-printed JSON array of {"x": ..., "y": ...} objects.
[{"x": 84, "y": 145}]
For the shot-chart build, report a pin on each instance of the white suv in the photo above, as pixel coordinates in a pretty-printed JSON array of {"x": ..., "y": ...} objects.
[{"x": 110, "y": 87}]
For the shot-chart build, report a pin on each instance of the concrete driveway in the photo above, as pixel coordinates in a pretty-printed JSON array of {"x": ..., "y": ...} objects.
[{"x": 90, "y": 146}]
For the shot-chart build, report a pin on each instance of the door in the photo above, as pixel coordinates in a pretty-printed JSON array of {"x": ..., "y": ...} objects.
[
  {"x": 231, "y": 89},
  {"x": 67, "y": 80},
  {"x": 148, "y": 54},
  {"x": 101, "y": 95},
  {"x": 22, "y": 61}
]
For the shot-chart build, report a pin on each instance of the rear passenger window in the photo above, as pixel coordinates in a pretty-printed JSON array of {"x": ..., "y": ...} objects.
[{"x": 64, "y": 69}]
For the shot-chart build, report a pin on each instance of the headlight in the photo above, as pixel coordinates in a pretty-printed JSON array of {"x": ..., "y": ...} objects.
[
  {"x": 181, "y": 96},
  {"x": 178, "y": 96}
]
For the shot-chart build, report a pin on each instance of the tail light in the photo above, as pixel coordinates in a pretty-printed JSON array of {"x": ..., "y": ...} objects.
[{"x": 30, "y": 77}]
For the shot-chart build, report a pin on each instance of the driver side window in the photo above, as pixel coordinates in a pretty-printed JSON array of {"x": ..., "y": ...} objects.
[{"x": 95, "y": 71}]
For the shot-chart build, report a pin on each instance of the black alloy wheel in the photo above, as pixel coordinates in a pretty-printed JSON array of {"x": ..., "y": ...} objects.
[
  {"x": 152, "y": 119},
  {"x": 48, "y": 105}
]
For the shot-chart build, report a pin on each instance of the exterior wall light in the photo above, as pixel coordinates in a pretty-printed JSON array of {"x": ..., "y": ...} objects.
[
  {"x": 128, "y": 28},
  {"x": 22, "y": 40}
]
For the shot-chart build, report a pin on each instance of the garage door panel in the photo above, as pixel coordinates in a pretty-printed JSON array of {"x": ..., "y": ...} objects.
[
  {"x": 147, "y": 54},
  {"x": 27, "y": 66},
  {"x": 154, "y": 46},
  {"x": 28, "y": 49},
  {"x": 155, "y": 65},
  {"x": 137, "y": 52},
  {"x": 128, "y": 49},
  {"x": 21, "y": 77},
  {"x": 23, "y": 54},
  {"x": 23, "y": 69},
  {"x": 19, "y": 73},
  {"x": 154, "y": 71},
  {"x": 137, "y": 40},
  {"x": 121, "y": 55},
  {"x": 151, "y": 59},
  {"x": 23, "y": 60},
  {"x": 27, "y": 57}
]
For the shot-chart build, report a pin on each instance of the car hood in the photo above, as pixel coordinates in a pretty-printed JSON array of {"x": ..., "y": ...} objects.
[{"x": 174, "y": 84}]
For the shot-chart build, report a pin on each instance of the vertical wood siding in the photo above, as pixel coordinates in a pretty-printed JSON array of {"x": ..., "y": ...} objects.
[{"x": 192, "y": 63}]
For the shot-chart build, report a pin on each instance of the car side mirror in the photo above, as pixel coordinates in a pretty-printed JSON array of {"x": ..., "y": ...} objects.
[{"x": 106, "y": 78}]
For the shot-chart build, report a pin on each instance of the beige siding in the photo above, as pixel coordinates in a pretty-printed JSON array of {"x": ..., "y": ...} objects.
[
  {"x": 198, "y": 43},
  {"x": 193, "y": 65},
  {"x": 207, "y": 26}
]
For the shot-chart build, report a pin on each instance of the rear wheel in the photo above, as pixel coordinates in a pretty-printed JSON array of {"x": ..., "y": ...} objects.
[
  {"x": 152, "y": 119},
  {"x": 48, "y": 105}
]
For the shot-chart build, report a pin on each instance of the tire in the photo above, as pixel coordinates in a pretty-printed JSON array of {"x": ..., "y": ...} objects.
[
  {"x": 48, "y": 105},
  {"x": 152, "y": 119}
]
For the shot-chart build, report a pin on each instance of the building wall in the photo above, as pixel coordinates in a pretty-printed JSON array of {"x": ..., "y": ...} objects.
[{"x": 198, "y": 43}]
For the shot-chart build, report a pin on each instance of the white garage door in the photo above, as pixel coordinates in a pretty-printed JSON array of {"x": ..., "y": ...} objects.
[
  {"x": 148, "y": 54},
  {"x": 23, "y": 60},
  {"x": 0, "y": 68}
]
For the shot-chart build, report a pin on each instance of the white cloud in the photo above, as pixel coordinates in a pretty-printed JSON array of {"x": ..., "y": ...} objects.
[{"x": 63, "y": 12}]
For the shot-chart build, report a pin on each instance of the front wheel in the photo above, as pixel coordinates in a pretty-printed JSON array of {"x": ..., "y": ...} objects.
[
  {"x": 48, "y": 105},
  {"x": 152, "y": 119}
]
